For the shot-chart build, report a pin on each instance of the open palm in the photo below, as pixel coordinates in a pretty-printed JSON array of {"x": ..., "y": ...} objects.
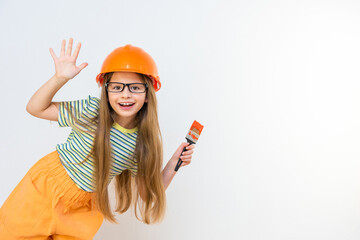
[{"x": 65, "y": 64}]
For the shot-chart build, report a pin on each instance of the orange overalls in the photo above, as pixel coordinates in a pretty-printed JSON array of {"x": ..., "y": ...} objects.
[{"x": 47, "y": 204}]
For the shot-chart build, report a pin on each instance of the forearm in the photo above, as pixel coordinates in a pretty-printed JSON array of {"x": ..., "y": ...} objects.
[
  {"x": 42, "y": 98},
  {"x": 169, "y": 172},
  {"x": 184, "y": 152}
]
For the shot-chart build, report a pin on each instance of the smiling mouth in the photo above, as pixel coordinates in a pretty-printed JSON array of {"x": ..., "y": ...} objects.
[{"x": 126, "y": 104}]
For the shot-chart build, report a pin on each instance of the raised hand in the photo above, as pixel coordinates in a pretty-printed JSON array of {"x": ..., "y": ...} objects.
[{"x": 65, "y": 64}]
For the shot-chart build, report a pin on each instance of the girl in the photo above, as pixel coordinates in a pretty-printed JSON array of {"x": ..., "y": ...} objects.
[{"x": 65, "y": 194}]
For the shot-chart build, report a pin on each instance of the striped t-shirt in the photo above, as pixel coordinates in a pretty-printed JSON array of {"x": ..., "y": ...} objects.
[{"x": 79, "y": 144}]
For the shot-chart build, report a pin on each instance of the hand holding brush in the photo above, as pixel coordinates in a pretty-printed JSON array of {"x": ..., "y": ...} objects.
[{"x": 191, "y": 138}]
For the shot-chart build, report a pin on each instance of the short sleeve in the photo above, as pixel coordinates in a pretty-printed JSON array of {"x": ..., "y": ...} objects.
[{"x": 71, "y": 111}]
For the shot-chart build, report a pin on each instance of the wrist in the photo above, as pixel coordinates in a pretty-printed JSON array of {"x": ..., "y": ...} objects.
[
  {"x": 170, "y": 166},
  {"x": 60, "y": 79}
]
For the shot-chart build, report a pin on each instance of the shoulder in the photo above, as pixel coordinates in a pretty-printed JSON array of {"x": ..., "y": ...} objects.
[
  {"x": 93, "y": 100},
  {"x": 92, "y": 103}
]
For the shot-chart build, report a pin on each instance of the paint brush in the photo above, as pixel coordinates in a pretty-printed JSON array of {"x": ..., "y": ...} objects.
[{"x": 191, "y": 137}]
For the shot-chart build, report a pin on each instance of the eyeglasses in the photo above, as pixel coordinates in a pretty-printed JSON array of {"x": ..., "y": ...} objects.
[{"x": 117, "y": 87}]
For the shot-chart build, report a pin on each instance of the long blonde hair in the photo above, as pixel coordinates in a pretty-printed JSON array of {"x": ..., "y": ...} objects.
[{"x": 149, "y": 195}]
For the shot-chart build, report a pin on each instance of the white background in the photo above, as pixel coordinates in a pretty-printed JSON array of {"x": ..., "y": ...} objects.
[{"x": 274, "y": 82}]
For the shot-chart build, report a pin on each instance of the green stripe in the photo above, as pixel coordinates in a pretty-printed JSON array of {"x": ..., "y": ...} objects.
[{"x": 79, "y": 144}]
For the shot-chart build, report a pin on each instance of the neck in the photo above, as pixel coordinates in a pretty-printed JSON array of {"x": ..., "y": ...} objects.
[{"x": 126, "y": 123}]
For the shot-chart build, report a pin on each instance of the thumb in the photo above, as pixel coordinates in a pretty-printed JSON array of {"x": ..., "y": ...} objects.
[
  {"x": 82, "y": 66},
  {"x": 180, "y": 149}
]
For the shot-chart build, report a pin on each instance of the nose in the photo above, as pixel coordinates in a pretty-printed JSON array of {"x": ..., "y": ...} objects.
[{"x": 126, "y": 92}]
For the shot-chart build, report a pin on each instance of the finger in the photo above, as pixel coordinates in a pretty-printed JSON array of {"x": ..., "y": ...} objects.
[
  {"x": 69, "y": 48},
  {"x": 185, "y": 164},
  {"x": 53, "y": 55},
  {"x": 77, "y": 50},
  {"x": 185, "y": 144},
  {"x": 62, "y": 51},
  {"x": 186, "y": 158},
  {"x": 188, "y": 152},
  {"x": 192, "y": 146},
  {"x": 181, "y": 147},
  {"x": 82, "y": 66}
]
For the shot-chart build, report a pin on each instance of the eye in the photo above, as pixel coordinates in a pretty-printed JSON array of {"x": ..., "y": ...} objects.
[
  {"x": 115, "y": 87},
  {"x": 135, "y": 88}
]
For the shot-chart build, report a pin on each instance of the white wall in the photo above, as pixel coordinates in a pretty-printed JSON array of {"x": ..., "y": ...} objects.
[{"x": 274, "y": 82}]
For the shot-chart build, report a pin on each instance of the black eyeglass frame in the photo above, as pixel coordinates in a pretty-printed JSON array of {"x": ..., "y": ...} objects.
[{"x": 126, "y": 85}]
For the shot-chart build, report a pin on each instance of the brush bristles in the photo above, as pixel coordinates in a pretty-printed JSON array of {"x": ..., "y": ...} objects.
[
  {"x": 194, "y": 133},
  {"x": 193, "y": 137}
]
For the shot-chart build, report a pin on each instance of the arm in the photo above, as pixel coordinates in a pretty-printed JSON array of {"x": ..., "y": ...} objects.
[
  {"x": 40, "y": 104},
  {"x": 169, "y": 172}
]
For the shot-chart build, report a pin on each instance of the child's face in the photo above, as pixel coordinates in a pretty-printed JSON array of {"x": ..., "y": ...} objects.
[{"x": 126, "y": 104}]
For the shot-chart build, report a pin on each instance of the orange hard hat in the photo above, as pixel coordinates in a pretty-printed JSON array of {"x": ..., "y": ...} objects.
[{"x": 130, "y": 59}]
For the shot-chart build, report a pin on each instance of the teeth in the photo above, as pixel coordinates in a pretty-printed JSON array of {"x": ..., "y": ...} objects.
[{"x": 126, "y": 104}]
